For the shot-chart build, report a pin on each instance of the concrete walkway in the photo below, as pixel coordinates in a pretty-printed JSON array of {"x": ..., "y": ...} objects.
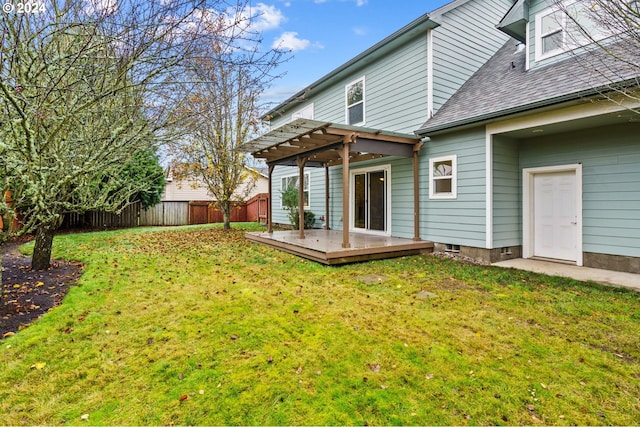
[{"x": 605, "y": 277}]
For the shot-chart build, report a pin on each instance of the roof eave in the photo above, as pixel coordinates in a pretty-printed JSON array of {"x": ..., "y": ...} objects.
[{"x": 426, "y": 131}]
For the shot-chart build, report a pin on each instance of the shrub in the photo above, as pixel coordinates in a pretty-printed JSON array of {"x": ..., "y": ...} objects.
[{"x": 290, "y": 203}]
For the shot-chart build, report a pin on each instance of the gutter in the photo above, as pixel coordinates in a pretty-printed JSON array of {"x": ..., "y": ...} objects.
[{"x": 520, "y": 109}]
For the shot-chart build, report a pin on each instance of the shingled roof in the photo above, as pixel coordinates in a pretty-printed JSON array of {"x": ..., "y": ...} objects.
[{"x": 503, "y": 86}]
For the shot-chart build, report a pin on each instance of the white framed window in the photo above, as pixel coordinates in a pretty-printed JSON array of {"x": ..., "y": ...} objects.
[
  {"x": 303, "y": 113},
  {"x": 355, "y": 102},
  {"x": 291, "y": 181},
  {"x": 562, "y": 28},
  {"x": 443, "y": 173}
]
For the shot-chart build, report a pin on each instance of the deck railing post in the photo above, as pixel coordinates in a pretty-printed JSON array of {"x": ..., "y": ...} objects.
[
  {"x": 301, "y": 161},
  {"x": 326, "y": 197},
  {"x": 269, "y": 202},
  {"x": 416, "y": 192},
  {"x": 347, "y": 140}
]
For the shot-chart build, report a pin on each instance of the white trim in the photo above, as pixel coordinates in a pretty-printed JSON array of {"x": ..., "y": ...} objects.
[
  {"x": 527, "y": 47},
  {"x": 300, "y": 114},
  {"x": 489, "y": 190},
  {"x": 352, "y": 173},
  {"x": 539, "y": 16},
  {"x": 430, "y": 73},
  {"x": 454, "y": 178},
  {"x": 297, "y": 175},
  {"x": 364, "y": 102},
  {"x": 528, "y": 206}
]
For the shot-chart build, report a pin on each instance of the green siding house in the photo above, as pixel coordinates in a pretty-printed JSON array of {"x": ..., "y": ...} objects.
[
  {"x": 557, "y": 129},
  {"x": 520, "y": 148}
]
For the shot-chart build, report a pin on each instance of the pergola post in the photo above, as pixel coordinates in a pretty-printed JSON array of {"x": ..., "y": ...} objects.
[
  {"x": 347, "y": 140},
  {"x": 326, "y": 197},
  {"x": 416, "y": 192},
  {"x": 301, "y": 161},
  {"x": 269, "y": 202}
]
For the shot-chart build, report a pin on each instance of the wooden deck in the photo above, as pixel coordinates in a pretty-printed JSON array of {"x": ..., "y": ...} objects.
[{"x": 325, "y": 246}]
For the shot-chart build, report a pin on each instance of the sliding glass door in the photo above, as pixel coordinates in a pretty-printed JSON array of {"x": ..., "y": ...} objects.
[{"x": 370, "y": 200}]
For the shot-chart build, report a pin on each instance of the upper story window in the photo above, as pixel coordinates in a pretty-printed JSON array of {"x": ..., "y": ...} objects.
[
  {"x": 355, "y": 102},
  {"x": 568, "y": 26},
  {"x": 303, "y": 113}
]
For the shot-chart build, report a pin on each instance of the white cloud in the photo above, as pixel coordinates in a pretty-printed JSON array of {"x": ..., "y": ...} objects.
[
  {"x": 290, "y": 41},
  {"x": 266, "y": 17},
  {"x": 103, "y": 7},
  {"x": 361, "y": 2},
  {"x": 360, "y": 31}
]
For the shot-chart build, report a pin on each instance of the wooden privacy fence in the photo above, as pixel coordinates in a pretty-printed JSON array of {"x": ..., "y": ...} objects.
[
  {"x": 171, "y": 213},
  {"x": 257, "y": 208},
  {"x": 204, "y": 212},
  {"x": 99, "y": 219},
  {"x": 208, "y": 213},
  {"x": 166, "y": 213}
]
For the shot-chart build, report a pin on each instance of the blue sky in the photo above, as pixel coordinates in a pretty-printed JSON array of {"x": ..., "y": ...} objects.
[{"x": 323, "y": 34}]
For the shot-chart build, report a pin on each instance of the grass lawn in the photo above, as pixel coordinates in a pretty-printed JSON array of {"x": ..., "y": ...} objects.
[{"x": 196, "y": 326}]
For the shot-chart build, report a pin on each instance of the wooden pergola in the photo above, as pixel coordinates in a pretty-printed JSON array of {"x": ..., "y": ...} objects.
[{"x": 311, "y": 143}]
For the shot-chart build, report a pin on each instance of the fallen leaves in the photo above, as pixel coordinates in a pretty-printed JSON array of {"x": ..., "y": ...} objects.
[
  {"x": 39, "y": 365},
  {"x": 28, "y": 294}
]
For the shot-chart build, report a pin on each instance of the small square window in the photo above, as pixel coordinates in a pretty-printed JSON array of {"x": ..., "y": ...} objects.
[{"x": 443, "y": 177}]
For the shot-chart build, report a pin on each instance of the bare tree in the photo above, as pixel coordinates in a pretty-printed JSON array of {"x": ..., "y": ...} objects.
[
  {"x": 85, "y": 87},
  {"x": 603, "y": 37},
  {"x": 223, "y": 111}
]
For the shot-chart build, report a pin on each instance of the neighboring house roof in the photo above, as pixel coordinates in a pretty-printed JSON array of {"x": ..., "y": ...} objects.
[
  {"x": 426, "y": 21},
  {"x": 503, "y": 86}
]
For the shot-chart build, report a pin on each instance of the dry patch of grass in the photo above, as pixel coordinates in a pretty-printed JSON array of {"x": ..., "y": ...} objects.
[{"x": 198, "y": 326}]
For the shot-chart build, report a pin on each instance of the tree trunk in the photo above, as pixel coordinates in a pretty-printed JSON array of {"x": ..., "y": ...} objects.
[
  {"x": 225, "y": 207},
  {"x": 41, "y": 258}
]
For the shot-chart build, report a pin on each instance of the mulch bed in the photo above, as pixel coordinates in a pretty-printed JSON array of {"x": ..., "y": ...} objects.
[{"x": 26, "y": 294}]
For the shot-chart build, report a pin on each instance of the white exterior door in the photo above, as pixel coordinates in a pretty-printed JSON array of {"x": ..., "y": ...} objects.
[{"x": 555, "y": 215}]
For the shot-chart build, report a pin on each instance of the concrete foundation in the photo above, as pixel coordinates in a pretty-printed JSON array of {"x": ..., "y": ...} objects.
[
  {"x": 612, "y": 262},
  {"x": 484, "y": 255}
]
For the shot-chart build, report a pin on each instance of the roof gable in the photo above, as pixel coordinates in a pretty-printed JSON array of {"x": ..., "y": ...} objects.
[{"x": 409, "y": 31}]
